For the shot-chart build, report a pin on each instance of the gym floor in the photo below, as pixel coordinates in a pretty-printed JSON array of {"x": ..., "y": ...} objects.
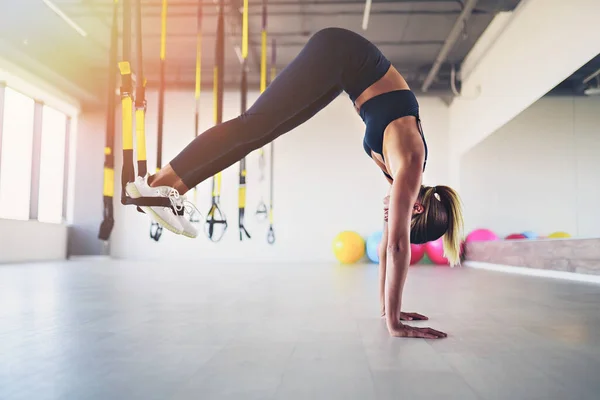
[{"x": 137, "y": 330}]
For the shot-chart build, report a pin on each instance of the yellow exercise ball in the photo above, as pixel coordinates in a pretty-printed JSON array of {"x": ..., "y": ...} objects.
[
  {"x": 559, "y": 235},
  {"x": 348, "y": 247}
]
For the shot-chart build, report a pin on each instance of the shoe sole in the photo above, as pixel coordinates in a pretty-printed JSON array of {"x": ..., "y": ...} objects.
[
  {"x": 132, "y": 191},
  {"x": 188, "y": 235}
]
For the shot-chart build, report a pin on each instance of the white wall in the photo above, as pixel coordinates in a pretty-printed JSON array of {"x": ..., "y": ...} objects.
[
  {"x": 87, "y": 182},
  {"x": 22, "y": 241},
  {"x": 324, "y": 183},
  {"x": 538, "y": 172},
  {"x": 32, "y": 240},
  {"x": 543, "y": 42}
]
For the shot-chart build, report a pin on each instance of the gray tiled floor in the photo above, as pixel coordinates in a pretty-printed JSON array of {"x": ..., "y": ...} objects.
[{"x": 136, "y": 330}]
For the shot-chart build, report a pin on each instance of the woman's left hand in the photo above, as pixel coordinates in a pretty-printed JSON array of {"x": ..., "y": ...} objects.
[{"x": 404, "y": 316}]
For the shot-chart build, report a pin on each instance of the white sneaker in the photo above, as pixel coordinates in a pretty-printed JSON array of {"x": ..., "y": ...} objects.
[
  {"x": 188, "y": 228},
  {"x": 162, "y": 215}
]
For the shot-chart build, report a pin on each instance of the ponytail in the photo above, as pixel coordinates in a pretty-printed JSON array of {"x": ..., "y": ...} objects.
[
  {"x": 442, "y": 216},
  {"x": 453, "y": 237}
]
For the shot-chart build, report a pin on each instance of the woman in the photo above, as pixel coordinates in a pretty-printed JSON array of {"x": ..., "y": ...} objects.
[{"x": 333, "y": 60}]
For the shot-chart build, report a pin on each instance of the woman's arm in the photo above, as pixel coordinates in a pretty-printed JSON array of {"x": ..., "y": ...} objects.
[
  {"x": 403, "y": 196},
  {"x": 382, "y": 251}
]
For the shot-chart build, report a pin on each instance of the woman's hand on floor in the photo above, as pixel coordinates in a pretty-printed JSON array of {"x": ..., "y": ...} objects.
[
  {"x": 401, "y": 330},
  {"x": 409, "y": 316}
]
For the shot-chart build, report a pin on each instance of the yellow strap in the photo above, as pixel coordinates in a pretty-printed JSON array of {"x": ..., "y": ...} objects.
[
  {"x": 163, "y": 32},
  {"x": 242, "y": 197},
  {"x": 245, "y": 31},
  {"x": 107, "y": 151},
  {"x": 109, "y": 182},
  {"x": 127, "y": 110},
  {"x": 125, "y": 68},
  {"x": 127, "y": 123},
  {"x": 263, "y": 62},
  {"x": 217, "y": 189},
  {"x": 140, "y": 134}
]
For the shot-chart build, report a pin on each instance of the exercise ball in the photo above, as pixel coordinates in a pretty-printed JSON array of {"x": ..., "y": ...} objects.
[
  {"x": 559, "y": 235},
  {"x": 417, "y": 251},
  {"x": 373, "y": 242},
  {"x": 530, "y": 234},
  {"x": 348, "y": 247},
  {"x": 435, "y": 252},
  {"x": 481, "y": 235},
  {"x": 514, "y": 236}
]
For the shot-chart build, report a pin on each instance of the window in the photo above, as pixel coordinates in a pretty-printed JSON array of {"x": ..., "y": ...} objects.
[
  {"x": 16, "y": 157},
  {"x": 52, "y": 163}
]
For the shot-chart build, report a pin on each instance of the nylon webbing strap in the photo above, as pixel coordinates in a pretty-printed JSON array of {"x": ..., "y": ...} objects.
[
  {"x": 193, "y": 217},
  {"x": 128, "y": 171},
  {"x": 156, "y": 229},
  {"x": 108, "y": 220},
  {"x": 261, "y": 210},
  {"x": 271, "y": 233},
  {"x": 215, "y": 216},
  {"x": 128, "y": 174},
  {"x": 244, "y": 100},
  {"x": 140, "y": 97}
]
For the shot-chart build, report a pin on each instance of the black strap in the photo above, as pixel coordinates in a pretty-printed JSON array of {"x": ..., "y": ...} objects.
[
  {"x": 155, "y": 228},
  {"x": 242, "y": 176},
  {"x": 271, "y": 234},
  {"x": 215, "y": 215},
  {"x": 193, "y": 217},
  {"x": 108, "y": 220},
  {"x": 128, "y": 172}
]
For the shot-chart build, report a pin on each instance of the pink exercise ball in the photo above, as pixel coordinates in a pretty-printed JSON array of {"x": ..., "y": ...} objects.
[
  {"x": 435, "y": 252},
  {"x": 417, "y": 251},
  {"x": 481, "y": 235}
]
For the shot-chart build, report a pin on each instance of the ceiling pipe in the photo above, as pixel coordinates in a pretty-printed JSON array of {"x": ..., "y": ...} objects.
[
  {"x": 449, "y": 44},
  {"x": 365, "y": 22},
  {"x": 591, "y": 76}
]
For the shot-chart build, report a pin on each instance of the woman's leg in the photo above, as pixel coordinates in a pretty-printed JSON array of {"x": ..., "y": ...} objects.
[
  {"x": 239, "y": 152},
  {"x": 294, "y": 96}
]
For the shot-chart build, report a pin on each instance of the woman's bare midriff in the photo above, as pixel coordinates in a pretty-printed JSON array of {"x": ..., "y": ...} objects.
[{"x": 392, "y": 80}]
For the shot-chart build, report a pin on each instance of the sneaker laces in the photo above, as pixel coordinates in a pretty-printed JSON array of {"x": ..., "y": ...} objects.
[
  {"x": 183, "y": 203},
  {"x": 173, "y": 195},
  {"x": 190, "y": 207}
]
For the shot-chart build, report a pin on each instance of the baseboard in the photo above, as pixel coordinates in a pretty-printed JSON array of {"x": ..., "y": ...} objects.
[
  {"x": 570, "y": 276},
  {"x": 90, "y": 258}
]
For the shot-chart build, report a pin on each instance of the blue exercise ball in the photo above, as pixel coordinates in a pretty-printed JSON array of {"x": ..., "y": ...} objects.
[
  {"x": 372, "y": 244},
  {"x": 530, "y": 234}
]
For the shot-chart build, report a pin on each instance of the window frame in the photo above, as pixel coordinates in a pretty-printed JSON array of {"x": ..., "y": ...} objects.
[{"x": 42, "y": 93}]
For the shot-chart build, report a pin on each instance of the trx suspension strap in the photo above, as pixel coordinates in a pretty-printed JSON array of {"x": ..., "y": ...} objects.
[
  {"x": 193, "y": 217},
  {"x": 244, "y": 95},
  {"x": 215, "y": 215},
  {"x": 261, "y": 211},
  {"x": 271, "y": 234},
  {"x": 128, "y": 172},
  {"x": 108, "y": 192},
  {"x": 155, "y": 228}
]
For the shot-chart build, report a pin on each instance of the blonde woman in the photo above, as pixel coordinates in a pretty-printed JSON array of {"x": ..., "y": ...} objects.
[{"x": 333, "y": 61}]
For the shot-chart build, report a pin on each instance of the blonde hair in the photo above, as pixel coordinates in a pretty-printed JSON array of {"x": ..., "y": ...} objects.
[{"x": 442, "y": 215}]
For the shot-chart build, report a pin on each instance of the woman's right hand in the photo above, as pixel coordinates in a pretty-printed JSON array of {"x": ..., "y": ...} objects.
[{"x": 401, "y": 330}]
